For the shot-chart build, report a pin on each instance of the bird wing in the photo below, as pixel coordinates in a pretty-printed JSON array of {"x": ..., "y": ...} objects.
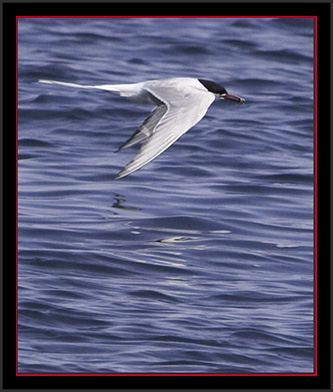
[
  {"x": 179, "y": 111},
  {"x": 147, "y": 127}
]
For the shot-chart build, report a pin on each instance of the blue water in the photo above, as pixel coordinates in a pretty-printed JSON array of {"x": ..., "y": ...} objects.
[{"x": 200, "y": 262}]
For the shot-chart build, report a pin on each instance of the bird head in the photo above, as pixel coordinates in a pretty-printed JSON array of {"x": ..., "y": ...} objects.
[{"x": 220, "y": 91}]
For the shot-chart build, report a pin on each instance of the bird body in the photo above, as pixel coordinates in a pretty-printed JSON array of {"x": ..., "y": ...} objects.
[{"x": 180, "y": 103}]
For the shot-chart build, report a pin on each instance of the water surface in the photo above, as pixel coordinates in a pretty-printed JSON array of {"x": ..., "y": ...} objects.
[{"x": 202, "y": 261}]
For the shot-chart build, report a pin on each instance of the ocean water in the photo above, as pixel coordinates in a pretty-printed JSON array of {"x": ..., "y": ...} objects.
[{"x": 200, "y": 262}]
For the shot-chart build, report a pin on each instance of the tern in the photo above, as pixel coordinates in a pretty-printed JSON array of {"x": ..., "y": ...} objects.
[{"x": 180, "y": 103}]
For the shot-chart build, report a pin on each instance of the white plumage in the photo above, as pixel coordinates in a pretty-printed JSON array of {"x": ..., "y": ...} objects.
[{"x": 180, "y": 103}]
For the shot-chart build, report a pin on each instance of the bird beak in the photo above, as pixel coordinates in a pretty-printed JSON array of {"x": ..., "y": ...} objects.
[{"x": 232, "y": 97}]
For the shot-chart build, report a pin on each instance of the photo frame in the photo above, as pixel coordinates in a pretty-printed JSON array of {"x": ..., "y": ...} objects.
[{"x": 320, "y": 378}]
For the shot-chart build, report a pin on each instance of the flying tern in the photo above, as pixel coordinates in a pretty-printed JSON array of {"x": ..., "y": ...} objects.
[{"x": 180, "y": 103}]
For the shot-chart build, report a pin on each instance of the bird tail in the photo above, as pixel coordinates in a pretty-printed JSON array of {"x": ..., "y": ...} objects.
[
  {"x": 65, "y": 84},
  {"x": 125, "y": 90}
]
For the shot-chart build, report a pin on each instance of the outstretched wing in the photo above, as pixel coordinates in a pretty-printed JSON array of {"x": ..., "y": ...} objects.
[
  {"x": 147, "y": 128},
  {"x": 177, "y": 111},
  {"x": 182, "y": 112}
]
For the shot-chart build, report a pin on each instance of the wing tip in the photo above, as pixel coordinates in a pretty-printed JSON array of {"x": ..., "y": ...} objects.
[
  {"x": 117, "y": 177},
  {"x": 120, "y": 175}
]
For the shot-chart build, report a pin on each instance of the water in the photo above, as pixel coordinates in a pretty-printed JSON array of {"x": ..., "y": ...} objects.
[{"x": 202, "y": 261}]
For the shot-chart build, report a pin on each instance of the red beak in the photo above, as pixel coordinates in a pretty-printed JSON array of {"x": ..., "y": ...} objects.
[{"x": 232, "y": 97}]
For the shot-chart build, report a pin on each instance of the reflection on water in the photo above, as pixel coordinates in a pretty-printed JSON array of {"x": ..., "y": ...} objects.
[
  {"x": 119, "y": 203},
  {"x": 172, "y": 240}
]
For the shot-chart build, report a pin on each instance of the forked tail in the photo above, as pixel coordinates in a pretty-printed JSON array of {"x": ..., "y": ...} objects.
[
  {"x": 65, "y": 83},
  {"x": 114, "y": 88}
]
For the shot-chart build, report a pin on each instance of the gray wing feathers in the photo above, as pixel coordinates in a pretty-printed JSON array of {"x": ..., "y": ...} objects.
[
  {"x": 171, "y": 127},
  {"x": 147, "y": 127},
  {"x": 155, "y": 145}
]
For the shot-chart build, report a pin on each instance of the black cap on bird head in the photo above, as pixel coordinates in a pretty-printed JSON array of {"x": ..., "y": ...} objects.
[{"x": 219, "y": 90}]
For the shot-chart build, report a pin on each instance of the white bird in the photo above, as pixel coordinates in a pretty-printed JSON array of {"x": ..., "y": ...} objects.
[{"x": 180, "y": 103}]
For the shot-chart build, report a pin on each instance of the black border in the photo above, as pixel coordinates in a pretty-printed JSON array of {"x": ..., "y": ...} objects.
[{"x": 9, "y": 379}]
